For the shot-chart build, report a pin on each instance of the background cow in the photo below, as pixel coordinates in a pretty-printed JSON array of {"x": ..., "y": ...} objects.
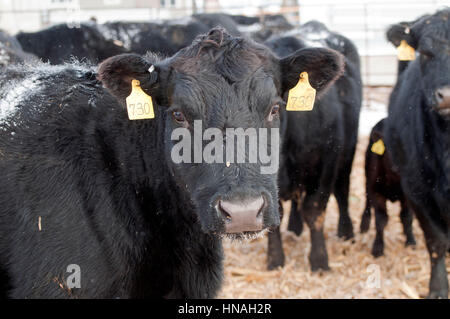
[
  {"x": 383, "y": 184},
  {"x": 59, "y": 43},
  {"x": 398, "y": 32},
  {"x": 318, "y": 147},
  {"x": 418, "y": 138}
]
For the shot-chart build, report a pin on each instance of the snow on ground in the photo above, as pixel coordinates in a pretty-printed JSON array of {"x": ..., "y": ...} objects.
[{"x": 371, "y": 112}]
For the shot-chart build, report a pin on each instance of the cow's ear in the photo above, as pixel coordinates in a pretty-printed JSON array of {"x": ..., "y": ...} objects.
[
  {"x": 117, "y": 72},
  {"x": 398, "y": 32},
  {"x": 377, "y": 133},
  {"x": 324, "y": 66}
]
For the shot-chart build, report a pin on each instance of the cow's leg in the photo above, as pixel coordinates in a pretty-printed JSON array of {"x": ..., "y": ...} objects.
[
  {"x": 295, "y": 224},
  {"x": 437, "y": 243},
  {"x": 341, "y": 192},
  {"x": 365, "y": 218},
  {"x": 275, "y": 253},
  {"x": 406, "y": 217},
  {"x": 381, "y": 219},
  {"x": 313, "y": 210}
]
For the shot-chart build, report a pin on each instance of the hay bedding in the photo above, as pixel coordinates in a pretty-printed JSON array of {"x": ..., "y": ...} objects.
[{"x": 404, "y": 270}]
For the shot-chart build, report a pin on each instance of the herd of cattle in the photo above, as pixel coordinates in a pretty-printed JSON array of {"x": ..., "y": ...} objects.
[{"x": 84, "y": 185}]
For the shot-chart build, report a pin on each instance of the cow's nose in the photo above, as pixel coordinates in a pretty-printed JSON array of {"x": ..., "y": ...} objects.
[
  {"x": 242, "y": 216},
  {"x": 443, "y": 97}
]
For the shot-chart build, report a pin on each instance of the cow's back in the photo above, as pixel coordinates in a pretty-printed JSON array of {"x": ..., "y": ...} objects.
[{"x": 47, "y": 194}]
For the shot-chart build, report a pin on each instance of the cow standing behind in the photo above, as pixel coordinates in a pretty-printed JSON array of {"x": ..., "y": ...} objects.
[
  {"x": 417, "y": 137},
  {"x": 383, "y": 184},
  {"x": 82, "y": 184},
  {"x": 398, "y": 32},
  {"x": 60, "y": 43},
  {"x": 318, "y": 147}
]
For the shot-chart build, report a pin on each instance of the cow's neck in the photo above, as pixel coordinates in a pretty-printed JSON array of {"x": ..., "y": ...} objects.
[{"x": 437, "y": 134}]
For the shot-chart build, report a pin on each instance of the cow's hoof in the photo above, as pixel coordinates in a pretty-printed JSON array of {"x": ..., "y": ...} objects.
[
  {"x": 377, "y": 250},
  {"x": 365, "y": 224},
  {"x": 319, "y": 263},
  {"x": 274, "y": 262},
  {"x": 297, "y": 229},
  {"x": 441, "y": 294},
  {"x": 345, "y": 231},
  {"x": 410, "y": 242}
]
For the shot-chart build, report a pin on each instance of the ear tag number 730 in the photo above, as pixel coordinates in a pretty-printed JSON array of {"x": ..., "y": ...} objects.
[
  {"x": 139, "y": 103},
  {"x": 302, "y": 96}
]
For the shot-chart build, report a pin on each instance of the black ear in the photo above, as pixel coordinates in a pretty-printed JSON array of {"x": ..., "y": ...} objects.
[
  {"x": 324, "y": 66},
  {"x": 377, "y": 131},
  {"x": 377, "y": 134},
  {"x": 117, "y": 72},
  {"x": 398, "y": 32}
]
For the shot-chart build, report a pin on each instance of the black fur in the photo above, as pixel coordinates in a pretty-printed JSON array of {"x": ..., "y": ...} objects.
[
  {"x": 418, "y": 139},
  {"x": 105, "y": 191},
  {"x": 318, "y": 146},
  {"x": 383, "y": 184},
  {"x": 60, "y": 43},
  {"x": 213, "y": 20},
  {"x": 161, "y": 38},
  {"x": 401, "y": 31}
]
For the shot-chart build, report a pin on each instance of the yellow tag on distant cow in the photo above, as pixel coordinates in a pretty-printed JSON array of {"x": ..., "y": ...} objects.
[
  {"x": 406, "y": 52},
  {"x": 139, "y": 103},
  {"x": 378, "y": 147},
  {"x": 301, "y": 97}
]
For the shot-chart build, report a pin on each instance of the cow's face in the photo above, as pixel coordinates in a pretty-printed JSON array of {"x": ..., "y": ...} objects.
[
  {"x": 430, "y": 36},
  {"x": 222, "y": 102}
]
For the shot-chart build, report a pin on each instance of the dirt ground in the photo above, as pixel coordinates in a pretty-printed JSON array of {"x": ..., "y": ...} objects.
[{"x": 402, "y": 273}]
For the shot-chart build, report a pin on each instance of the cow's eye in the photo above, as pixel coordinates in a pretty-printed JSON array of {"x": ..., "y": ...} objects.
[
  {"x": 426, "y": 54},
  {"x": 179, "y": 117},
  {"x": 275, "y": 109},
  {"x": 273, "y": 112}
]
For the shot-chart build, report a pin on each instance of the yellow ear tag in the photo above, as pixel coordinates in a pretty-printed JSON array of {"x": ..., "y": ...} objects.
[
  {"x": 378, "y": 147},
  {"x": 139, "y": 103},
  {"x": 405, "y": 52},
  {"x": 301, "y": 97}
]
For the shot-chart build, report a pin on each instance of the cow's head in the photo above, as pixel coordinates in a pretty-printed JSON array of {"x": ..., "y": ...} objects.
[
  {"x": 430, "y": 36},
  {"x": 222, "y": 82}
]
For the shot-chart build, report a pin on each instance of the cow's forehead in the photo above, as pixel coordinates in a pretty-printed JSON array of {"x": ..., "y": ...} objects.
[
  {"x": 437, "y": 27},
  {"x": 213, "y": 91},
  {"x": 232, "y": 58}
]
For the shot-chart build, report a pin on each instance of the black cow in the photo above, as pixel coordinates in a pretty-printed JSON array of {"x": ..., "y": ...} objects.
[
  {"x": 218, "y": 20},
  {"x": 244, "y": 20},
  {"x": 82, "y": 184},
  {"x": 262, "y": 29},
  {"x": 417, "y": 137},
  {"x": 59, "y": 43},
  {"x": 139, "y": 37},
  {"x": 383, "y": 184},
  {"x": 396, "y": 33},
  {"x": 318, "y": 149},
  {"x": 164, "y": 38}
]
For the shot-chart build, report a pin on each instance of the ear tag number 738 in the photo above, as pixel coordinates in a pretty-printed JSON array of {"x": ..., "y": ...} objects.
[
  {"x": 139, "y": 103},
  {"x": 301, "y": 97}
]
